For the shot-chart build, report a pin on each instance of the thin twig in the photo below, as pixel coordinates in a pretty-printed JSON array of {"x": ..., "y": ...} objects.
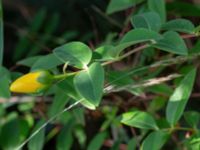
[
  {"x": 126, "y": 54},
  {"x": 146, "y": 83}
]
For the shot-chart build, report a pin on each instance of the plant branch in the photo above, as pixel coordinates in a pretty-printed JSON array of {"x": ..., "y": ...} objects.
[
  {"x": 184, "y": 36},
  {"x": 145, "y": 83},
  {"x": 126, "y": 54}
]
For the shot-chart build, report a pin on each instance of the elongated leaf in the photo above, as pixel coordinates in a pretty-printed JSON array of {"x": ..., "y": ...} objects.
[
  {"x": 1, "y": 34},
  {"x": 179, "y": 98},
  {"x": 97, "y": 141},
  {"x": 59, "y": 102},
  {"x": 75, "y": 53},
  {"x": 10, "y": 135},
  {"x": 148, "y": 20},
  {"x": 89, "y": 83},
  {"x": 47, "y": 62},
  {"x": 159, "y": 7},
  {"x": 50, "y": 27},
  {"x": 4, "y": 87},
  {"x": 173, "y": 43},
  {"x": 181, "y": 25},
  {"x": 139, "y": 119},
  {"x": 65, "y": 138},
  {"x": 24, "y": 43},
  {"x": 131, "y": 144},
  {"x": 4, "y": 83},
  {"x": 155, "y": 140},
  {"x": 29, "y": 61},
  {"x": 37, "y": 142},
  {"x": 117, "y": 5},
  {"x": 136, "y": 36},
  {"x": 192, "y": 9}
]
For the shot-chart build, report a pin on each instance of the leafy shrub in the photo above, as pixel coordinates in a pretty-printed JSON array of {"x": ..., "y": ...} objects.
[{"x": 94, "y": 103}]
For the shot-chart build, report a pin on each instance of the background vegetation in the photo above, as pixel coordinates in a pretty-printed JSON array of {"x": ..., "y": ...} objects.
[{"x": 149, "y": 51}]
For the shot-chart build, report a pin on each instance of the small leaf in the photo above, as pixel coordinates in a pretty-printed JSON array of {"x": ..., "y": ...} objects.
[
  {"x": 173, "y": 43},
  {"x": 180, "y": 25},
  {"x": 76, "y": 54},
  {"x": 89, "y": 83},
  {"x": 118, "y": 5},
  {"x": 155, "y": 140},
  {"x": 139, "y": 119},
  {"x": 158, "y": 7},
  {"x": 97, "y": 141},
  {"x": 148, "y": 20},
  {"x": 37, "y": 142},
  {"x": 136, "y": 36},
  {"x": 179, "y": 98},
  {"x": 46, "y": 62},
  {"x": 104, "y": 52}
]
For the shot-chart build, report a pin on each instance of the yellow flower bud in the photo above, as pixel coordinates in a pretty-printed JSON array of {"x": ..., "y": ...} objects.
[{"x": 33, "y": 82}]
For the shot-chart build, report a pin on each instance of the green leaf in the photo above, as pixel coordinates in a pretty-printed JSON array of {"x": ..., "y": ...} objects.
[
  {"x": 65, "y": 138},
  {"x": 24, "y": 42},
  {"x": 181, "y": 25},
  {"x": 136, "y": 36},
  {"x": 76, "y": 54},
  {"x": 10, "y": 134},
  {"x": 59, "y": 102},
  {"x": 192, "y": 9},
  {"x": 117, "y": 79},
  {"x": 29, "y": 61},
  {"x": 97, "y": 141},
  {"x": 4, "y": 87},
  {"x": 172, "y": 42},
  {"x": 155, "y": 140},
  {"x": 46, "y": 62},
  {"x": 37, "y": 142},
  {"x": 179, "y": 98},
  {"x": 88, "y": 104},
  {"x": 161, "y": 89},
  {"x": 50, "y": 28},
  {"x": 89, "y": 83},
  {"x": 118, "y": 5},
  {"x": 148, "y": 20},
  {"x": 139, "y": 119},
  {"x": 67, "y": 86},
  {"x": 192, "y": 118},
  {"x": 158, "y": 7},
  {"x": 104, "y": 53},
  {"x": 131, "y": 144},
  {"x": 1, "y": 34},
  {"x": 4, "y": 83}
]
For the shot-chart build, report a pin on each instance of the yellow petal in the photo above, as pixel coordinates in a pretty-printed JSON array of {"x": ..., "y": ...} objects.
[{"x": 28, "y": 83}]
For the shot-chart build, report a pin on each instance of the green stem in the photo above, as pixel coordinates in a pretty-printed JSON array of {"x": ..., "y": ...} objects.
[{"x": 62, "y": 76}]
